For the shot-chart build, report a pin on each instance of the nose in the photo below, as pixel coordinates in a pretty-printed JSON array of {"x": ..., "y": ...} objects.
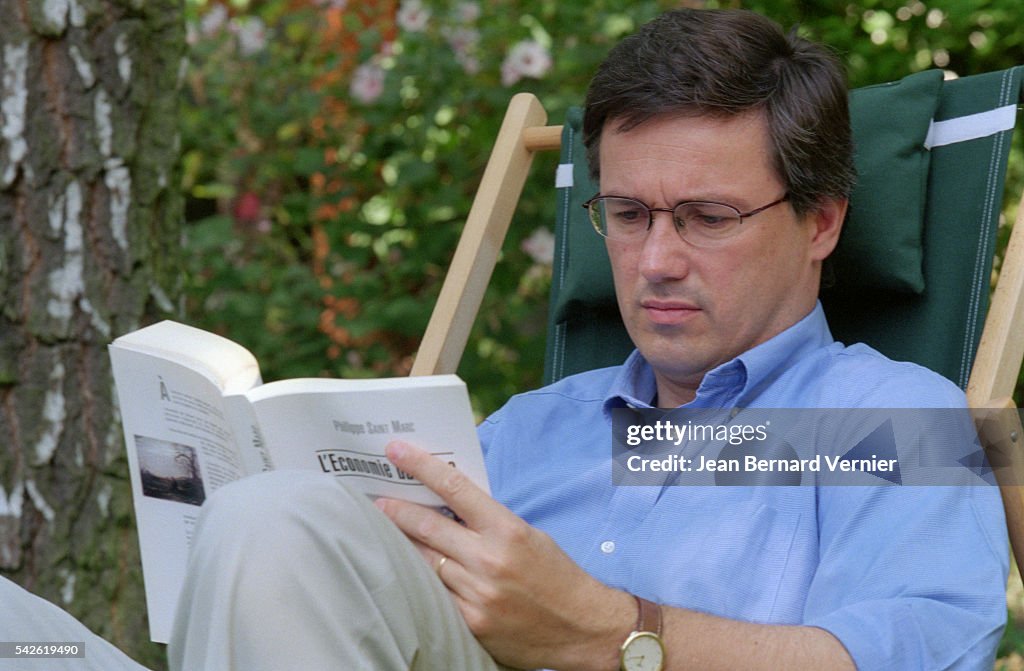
[{"x": 664, "y": 255}]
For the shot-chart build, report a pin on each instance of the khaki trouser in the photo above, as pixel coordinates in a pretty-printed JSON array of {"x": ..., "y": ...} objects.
[
  {"x": 291, "y": 570},
  {"x": 26, "y": 618}
]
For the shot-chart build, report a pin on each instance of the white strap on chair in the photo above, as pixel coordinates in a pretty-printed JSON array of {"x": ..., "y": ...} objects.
[
  {"x": 563, "y": 176},
  {"x": 970, "y": 127}
]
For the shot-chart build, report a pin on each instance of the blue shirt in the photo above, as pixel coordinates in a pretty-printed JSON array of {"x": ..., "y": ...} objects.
[{"x": 904, "y": 577}]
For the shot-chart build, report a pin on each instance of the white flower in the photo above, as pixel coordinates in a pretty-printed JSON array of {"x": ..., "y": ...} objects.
[
  {"x": 540, "y": 246},
  {"x": 251, "y": 34},
  {"x": 213, "y": 20},
  {"x": 467, "y": 12},
  {"x": 526, "y": 59},
  {"x": 367, "y": 83},
  {"x": 413, "y": 16}
]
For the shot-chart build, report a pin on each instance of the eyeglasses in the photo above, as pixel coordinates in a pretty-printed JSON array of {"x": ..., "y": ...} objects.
[{"x": 700, "y": 223}]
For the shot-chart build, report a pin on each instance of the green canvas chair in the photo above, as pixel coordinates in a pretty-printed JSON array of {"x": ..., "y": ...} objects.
[{"x": 911, "y": 276}]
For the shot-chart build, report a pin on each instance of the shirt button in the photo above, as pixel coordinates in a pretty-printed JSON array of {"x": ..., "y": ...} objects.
[{"x": 608, "y": 547}]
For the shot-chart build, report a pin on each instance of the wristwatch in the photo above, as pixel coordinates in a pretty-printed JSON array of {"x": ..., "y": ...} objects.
[{"x": 643, "y": 649}]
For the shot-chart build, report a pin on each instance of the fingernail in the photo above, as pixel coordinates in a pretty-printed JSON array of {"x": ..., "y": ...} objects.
[{"x": 395, "y": 450}]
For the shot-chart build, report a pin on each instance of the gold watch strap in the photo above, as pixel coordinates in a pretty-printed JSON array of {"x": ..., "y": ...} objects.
[{"x": 648, "y": 616}]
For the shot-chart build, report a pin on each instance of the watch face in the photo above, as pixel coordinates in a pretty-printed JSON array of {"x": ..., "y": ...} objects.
[{"x": 643, "y": 651}]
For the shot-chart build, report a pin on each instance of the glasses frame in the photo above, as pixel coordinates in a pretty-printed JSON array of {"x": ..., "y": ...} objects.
[{"x": 671, "y": 210}]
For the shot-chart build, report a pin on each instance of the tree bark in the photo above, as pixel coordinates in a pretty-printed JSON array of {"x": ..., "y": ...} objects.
[{"x": 90, "y": 226}]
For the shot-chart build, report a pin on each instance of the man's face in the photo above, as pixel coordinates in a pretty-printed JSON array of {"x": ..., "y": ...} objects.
[{"x": 690, "y": 309}]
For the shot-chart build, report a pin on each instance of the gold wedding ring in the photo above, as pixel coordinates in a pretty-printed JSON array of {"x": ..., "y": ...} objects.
[{"x": 437, "y": 569}]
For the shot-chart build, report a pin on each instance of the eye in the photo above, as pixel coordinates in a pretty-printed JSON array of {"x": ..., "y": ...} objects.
[
  {"x": 705, "y": 215},
  {"x": 625, "y": 212},
  {"x": 712, "y": 220},
  {"x": 709, "y": 218}
]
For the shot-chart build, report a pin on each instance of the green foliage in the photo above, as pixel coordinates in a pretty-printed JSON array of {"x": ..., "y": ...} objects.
[
  {"x": 331, "y": 151},
  {"x": 323, "y": 217},
  {"x": 1013, "y": 640}
]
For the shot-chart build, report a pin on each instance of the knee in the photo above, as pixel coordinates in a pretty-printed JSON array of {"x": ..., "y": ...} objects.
[
  {"x": 255, "y": 532},
  {"x": 279, "y": 506}
]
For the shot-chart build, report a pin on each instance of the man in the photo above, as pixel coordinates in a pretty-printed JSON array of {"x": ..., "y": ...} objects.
[{"x": 722, "y": 149}]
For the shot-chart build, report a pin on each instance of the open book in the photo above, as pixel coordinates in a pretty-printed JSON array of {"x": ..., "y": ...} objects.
[{"x": 196, "y": 417}]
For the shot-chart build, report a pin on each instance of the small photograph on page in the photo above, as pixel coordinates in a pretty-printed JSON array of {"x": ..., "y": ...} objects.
[{"x": 170, "y": 471}]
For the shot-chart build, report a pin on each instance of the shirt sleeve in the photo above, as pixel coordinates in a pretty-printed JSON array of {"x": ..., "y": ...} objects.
[{"x": 912, "y": 577}]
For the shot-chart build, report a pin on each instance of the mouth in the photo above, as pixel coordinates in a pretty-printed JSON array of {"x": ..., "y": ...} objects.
[{"x": 668, "y": 312}]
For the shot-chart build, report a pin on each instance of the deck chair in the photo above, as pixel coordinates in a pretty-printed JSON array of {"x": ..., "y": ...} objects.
[{"x": 911, "y": 276}]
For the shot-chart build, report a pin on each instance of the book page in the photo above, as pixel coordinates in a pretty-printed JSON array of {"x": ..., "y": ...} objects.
[
  {"x": 248, "y": 437},
  {"x": 180, "y": 450},
  {"x": 228, "y": 365},
  {"x": 340, "y": 428}
]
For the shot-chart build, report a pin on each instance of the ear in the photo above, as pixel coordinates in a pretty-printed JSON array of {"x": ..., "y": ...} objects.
[{"x": 826, "y": 223}]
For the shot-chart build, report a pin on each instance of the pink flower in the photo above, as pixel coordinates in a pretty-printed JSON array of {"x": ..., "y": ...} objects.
[
  {"x": 470, "y": 64},
  {"x": 526, "y": 59},
  {"x": 248, "y": 211},
  {"x": 413, "y": 16},
  {"x": 463, "y": 42},
  {"x": 367, "y": 83}
]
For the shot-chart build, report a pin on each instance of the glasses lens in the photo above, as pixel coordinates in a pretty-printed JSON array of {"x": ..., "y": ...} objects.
[
  {"x": 619, "y": 218},
  {"x": 706, "y": 222}
]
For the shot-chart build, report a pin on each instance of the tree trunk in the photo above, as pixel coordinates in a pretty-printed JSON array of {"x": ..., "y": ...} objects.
[{"x": 90, "y": 223}]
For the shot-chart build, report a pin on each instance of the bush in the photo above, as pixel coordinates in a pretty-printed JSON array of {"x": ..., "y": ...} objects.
[{"x": 331, "y": 151}]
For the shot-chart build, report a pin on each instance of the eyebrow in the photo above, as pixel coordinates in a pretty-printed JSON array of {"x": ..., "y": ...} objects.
[{"x": 706, "y": 199}]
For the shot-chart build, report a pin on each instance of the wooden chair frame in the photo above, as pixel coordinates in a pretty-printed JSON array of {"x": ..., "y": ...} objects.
[{"x": 524, "y": 132}]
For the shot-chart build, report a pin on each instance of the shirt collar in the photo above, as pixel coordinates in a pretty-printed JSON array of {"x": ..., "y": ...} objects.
[{"x": 734, "y": 383}]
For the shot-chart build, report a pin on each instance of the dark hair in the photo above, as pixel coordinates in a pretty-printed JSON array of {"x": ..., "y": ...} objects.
[{"x": 694, "y": 62}]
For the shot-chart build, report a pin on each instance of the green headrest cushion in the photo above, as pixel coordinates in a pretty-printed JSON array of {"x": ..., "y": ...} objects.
[{"x": 881, "y": 244}]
